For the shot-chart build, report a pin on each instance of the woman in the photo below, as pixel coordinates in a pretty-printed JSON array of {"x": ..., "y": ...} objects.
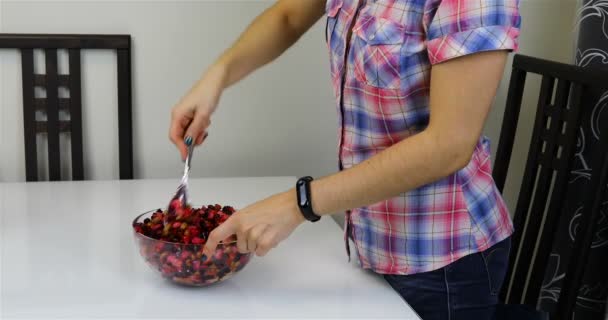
[{"x": 414, "y": 81}]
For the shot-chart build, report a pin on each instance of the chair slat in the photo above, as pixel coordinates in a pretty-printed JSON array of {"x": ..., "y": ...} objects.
[
  {"x": 125, "y": 129},
  {"x": 515, "y": 282},
  {"x": 76, "y": 114},
  {"x": 52, "y": 114},
  {"x": 29, "y": 114}
]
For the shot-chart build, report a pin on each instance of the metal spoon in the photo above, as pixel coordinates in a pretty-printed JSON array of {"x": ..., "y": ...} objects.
[{"x": 180, "y": 199}]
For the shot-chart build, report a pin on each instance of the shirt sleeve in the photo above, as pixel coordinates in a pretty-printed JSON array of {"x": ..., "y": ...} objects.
[{"x": 460, "y": 27}]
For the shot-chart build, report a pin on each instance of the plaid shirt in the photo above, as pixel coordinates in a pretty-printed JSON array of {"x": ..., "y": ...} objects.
[{"x": 382, "y": 92}]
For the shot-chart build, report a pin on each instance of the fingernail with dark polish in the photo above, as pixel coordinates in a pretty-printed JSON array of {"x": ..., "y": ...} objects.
[{"x": 188, "y": 140}]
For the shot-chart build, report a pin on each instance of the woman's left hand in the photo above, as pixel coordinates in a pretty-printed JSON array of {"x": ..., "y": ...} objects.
[{"x": 261, "y": 226}]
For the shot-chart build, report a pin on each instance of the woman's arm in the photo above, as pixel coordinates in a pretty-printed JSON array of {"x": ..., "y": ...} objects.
[
  {"x": 269, "y": 35},
  {"x": 461, "y": 91},
  {"x": 266, "y": 38}
]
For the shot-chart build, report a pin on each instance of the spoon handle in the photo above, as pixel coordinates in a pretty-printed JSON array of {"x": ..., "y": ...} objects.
[{"x": 188, "y": 160}]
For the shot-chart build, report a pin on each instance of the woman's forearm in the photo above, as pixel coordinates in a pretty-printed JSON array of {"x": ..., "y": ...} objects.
[
  {"x": 411, "y": 163},
  {"x": 268, "y": 36}
]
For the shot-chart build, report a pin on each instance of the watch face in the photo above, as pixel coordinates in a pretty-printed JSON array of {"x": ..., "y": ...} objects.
[{"x": 302, "y": 192}]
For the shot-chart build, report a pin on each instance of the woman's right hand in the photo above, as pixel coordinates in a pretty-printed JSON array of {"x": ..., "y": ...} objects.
[{"x": 191, "y": 117}]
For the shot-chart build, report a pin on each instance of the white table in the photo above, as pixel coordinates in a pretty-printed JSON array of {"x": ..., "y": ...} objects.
[{"x": 67, "y": 252}]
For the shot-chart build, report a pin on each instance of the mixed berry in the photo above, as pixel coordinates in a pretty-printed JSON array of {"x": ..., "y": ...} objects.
[{"x": 173, "y": 244}]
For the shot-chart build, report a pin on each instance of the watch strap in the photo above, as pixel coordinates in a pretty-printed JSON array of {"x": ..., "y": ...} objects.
[{"x": 304, "y": 199}]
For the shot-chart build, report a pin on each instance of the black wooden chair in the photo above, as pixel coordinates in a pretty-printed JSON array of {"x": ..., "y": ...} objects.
[
  {"x": 51, "y": 81},
  {"x": 549, "y": 162}
]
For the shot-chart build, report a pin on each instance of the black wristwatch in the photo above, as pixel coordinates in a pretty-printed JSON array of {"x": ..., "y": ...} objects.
[{"x": 304, "y": 201}]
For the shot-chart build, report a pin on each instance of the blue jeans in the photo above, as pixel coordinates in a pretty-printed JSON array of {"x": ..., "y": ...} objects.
[{"x": 465, "y": 289}]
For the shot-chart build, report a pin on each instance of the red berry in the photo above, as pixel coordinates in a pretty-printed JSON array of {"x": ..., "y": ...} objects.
[
  {"x": 218, "y": 254},
  {"x": 163, "y": 256},
  {"x": 193, "y": 230},
  {"x": 156, "y": 214},
  {"x": 166, "y": 271},
  {"x": 174, "y": 261},
  {"x": 197, "y": 240},
  {"x": 192, "y": 226}
]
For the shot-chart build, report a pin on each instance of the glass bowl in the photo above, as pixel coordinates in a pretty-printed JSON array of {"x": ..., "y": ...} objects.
[{"x": 185, "y": 263}]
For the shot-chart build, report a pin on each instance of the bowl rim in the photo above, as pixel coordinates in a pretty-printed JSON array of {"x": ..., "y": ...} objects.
[{"x": 221, "y": 243}]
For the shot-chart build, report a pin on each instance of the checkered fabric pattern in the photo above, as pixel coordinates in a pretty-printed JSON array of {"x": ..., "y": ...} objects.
[{"x": 382, "y": 93}]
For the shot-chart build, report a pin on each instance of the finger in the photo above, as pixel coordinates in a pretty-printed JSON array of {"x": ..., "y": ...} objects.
[
  {"x": 220, "y": 233},
  {"x": 267, "y": 241},
  {"x": 174, "y": 135},
  {"x": 254, "y": 235},
  {"x": 176, "y": 132},
  {"x": 200, "y": 139},
  {"x": 241, "y": 241},
  {"x": 198, "y": 126}
]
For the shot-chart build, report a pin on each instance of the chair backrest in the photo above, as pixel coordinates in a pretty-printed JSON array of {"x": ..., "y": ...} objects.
[
  {"x": 548, "y": 166},
  {"x": 51, "y": 81}
]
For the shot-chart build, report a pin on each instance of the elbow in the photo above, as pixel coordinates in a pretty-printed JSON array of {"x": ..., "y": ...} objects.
[
  {"x": 454, "y": 152},
  {"x": 460, "y": 154},
  {"x": 462, "y": 157},
  {"x": 290, "y": 23}
]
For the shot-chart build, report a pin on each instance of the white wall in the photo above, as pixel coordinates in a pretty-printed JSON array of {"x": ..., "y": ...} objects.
[{"x": 281, "y": 121}]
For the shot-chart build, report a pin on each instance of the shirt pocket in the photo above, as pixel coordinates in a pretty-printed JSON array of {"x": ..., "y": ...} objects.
[
  {"x": 378, "y": 51},
  {"x": 334, "y": 35}
]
